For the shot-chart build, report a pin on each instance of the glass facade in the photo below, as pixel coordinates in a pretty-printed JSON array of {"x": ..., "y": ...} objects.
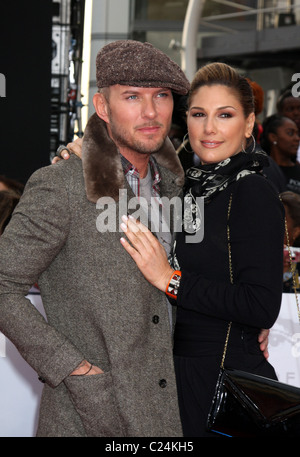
[
  {"x": 257, "y": 36},
  {"x": 161, "y": 21},
  {"x": 157, "y": 10},
  {"x": 237, "y": 15}
]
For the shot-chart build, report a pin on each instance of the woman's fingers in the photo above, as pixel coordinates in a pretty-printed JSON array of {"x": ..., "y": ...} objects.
[
  {"x": 138, "y": 232},
  {"x": 130, "y": 249},
  {"x": 135, "y": 232},
  {"x": 147, "y": 252}
]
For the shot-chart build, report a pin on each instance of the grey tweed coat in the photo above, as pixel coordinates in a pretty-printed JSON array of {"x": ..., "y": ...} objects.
[{"x": 98, "y": 305}]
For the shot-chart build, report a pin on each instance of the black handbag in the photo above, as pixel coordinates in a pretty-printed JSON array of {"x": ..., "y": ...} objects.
[{"x": 249, "y": 405}]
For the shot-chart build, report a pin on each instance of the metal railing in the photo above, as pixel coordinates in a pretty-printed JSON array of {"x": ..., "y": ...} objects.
[{"x": 266, "y": 14}]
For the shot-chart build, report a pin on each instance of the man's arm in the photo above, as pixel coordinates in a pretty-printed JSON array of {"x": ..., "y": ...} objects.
[{"x": 30, "y": 242}]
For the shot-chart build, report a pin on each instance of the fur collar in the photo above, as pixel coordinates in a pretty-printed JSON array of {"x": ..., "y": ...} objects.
[{"x": 102, "y": 168}]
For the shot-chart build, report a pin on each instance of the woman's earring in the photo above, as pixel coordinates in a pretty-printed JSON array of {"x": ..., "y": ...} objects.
[
  {"x": 185, "y": 141},
  {"x": 254, "y": 144},
  {"x": 274, "y": 142}
]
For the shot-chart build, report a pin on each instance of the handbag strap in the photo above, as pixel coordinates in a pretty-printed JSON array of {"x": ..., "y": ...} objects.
[
  {"x": 231, "y": 272},
  {"x": 231, "y": 278}
]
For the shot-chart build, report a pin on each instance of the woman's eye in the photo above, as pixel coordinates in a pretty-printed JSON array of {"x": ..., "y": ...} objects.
[
  {"x": 225, "y": 115},
  {"x": 290, "y": 132},
  {"x": 197, "y": 114}
]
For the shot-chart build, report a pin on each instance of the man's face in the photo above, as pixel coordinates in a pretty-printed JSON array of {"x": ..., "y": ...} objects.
[{"x": 138, "y": 118}]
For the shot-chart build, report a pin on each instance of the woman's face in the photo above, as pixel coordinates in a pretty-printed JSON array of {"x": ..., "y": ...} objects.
[
  {"x": 291, "y": 109},
  {"x": 287, "y": 138},
  {"x": 216, "y": 123}
]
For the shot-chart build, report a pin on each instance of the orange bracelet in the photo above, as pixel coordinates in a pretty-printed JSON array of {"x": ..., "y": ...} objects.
[{"x": 173, "y": 285}]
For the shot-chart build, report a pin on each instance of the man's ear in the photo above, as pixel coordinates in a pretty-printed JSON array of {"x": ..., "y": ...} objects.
[{"x": 101, "y": 106}]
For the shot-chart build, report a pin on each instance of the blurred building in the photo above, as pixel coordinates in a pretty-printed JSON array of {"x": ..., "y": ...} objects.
[{"x": 260, "y": 37}]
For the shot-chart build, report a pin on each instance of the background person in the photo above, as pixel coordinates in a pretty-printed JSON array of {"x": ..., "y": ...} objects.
[
  {"x": 271, "y": 170},
  {"x": 11, "y": 184},
  {"x": 8, "y": 202},
  {"x": 289, "y": 106},
  {"x": 280, "y": 139}
]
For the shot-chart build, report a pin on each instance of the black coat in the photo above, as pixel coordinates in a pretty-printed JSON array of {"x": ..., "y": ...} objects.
[{"x": 207, "y": 300}]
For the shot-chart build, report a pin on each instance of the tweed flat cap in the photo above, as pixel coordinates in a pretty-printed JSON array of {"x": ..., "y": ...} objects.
[{"x": 132, "y": 63}]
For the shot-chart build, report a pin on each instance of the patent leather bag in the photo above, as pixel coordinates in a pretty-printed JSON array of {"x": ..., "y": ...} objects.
[{"x": 248, "y": 405}]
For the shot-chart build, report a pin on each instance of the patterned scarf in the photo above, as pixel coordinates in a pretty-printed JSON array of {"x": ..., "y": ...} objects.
[{"x": 207, "y": 181}]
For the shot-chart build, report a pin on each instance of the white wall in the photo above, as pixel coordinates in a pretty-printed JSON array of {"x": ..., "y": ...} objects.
[{"x": 20, "y": 389}]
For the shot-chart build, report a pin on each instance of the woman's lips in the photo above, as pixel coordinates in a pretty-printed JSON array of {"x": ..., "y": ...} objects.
[{"x": 211, "y": 144}]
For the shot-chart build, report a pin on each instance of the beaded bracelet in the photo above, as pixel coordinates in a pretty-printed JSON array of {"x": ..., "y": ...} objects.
[{"x": 173, "y": 285}]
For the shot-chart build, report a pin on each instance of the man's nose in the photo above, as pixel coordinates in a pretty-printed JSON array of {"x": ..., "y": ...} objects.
[{"x": 149, "y": 108}]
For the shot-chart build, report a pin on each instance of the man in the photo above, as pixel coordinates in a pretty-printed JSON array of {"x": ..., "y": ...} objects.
[{"x": 105, "y": 352}]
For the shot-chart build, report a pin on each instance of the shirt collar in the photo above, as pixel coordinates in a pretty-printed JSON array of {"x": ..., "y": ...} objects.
[{"x": 130, "y": 169}]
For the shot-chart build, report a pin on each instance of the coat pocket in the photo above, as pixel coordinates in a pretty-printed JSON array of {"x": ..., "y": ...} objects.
[{"x": 94, "y": 400}]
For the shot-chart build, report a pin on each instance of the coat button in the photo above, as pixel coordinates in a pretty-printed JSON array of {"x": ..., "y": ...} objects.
[
  {"x": 163, "y": 383},
  {"x": 155, "y": 319}
]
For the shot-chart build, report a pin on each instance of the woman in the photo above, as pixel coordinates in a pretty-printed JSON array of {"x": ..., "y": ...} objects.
[
  {"x": 220, "y": 120},
  {"x": 280, "y": 139}
]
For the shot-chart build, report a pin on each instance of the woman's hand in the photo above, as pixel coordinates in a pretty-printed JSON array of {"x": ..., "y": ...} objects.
[
  {"x": 147, "y": 252},
  {"x": 74, "y": 147}
]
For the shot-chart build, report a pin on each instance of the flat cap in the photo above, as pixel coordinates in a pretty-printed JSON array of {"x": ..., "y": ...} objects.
[{"x": 133, "y": 63}]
